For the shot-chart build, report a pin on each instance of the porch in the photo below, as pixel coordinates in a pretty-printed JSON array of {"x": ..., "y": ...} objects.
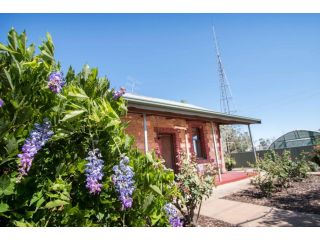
[{"x": 169, "y": 127}]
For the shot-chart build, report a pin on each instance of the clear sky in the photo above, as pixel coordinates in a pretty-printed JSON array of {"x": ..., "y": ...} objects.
[{"x": 272, "y": 60}]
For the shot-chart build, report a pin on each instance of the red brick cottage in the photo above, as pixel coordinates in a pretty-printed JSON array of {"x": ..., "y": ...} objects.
[{"x": 170, "y": 127}]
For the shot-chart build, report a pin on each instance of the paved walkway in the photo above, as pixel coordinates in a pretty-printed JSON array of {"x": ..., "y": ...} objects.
[
  {"x": 251, "y": 215},
  {"x": 233, "y": 176}
]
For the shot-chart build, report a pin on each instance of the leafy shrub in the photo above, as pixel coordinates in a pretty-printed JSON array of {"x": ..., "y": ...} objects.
[
  {"x": 313, "y": 166},
  {"x": 230, "y": 163},
  {"x": 264, "y": 183},
  {"x": 299, "y": 170},
  {"x": 314, "y": 155},
  {"x": 193, "y": 185},
  {"x": 84, "y": 114},
  {"x": 278, "y": 171}
]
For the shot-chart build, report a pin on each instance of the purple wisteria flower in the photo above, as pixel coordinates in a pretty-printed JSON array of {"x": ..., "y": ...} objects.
[
  {"x": 173, "y": 215},
  {"x": 36, "y": 140},
  {"x": 1, "y": 103},
  {"x": 119, "y": 93},
  {"x": 56, "y": 81},
  {"x": 94, "y": 171},
  {"x": 123, "y": 181}
]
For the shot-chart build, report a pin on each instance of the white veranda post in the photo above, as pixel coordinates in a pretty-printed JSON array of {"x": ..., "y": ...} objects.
[
  {"x": 145, "y": 133},
  {"x": 216, "y": 152}
]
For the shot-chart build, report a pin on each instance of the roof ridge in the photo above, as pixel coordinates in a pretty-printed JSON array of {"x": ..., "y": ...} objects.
[{"x": 155, "y": 99}]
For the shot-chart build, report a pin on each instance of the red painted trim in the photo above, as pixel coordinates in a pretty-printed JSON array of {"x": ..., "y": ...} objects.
[
  {"x": 234, "y": 179},
  {"x": 176, "y": 141}
]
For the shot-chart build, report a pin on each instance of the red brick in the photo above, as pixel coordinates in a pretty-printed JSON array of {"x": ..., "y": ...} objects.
[{"x": 156, "y": 124}]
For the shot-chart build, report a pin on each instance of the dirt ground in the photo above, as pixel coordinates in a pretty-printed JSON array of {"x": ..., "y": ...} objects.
[
  {"x": 204, "y": 221},
  {"x": 301, "y": 196}
]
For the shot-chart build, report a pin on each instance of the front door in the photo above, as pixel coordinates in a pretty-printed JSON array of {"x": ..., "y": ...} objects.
[{"x": 167, "y": 151}]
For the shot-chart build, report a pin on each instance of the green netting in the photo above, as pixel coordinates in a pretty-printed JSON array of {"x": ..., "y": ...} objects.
[{"x": 298, "y": 138}]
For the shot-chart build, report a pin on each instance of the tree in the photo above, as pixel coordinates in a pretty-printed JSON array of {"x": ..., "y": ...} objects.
[
  {"x": 264, "y": 143},
  {"x": 234, "y": 140}
]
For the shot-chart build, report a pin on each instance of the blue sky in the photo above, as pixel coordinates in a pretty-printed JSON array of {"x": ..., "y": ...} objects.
[{"x": 272, "y": 60}]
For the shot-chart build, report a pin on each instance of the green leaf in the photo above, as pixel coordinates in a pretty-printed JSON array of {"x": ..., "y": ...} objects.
[
  {"x": 17, "y": 64},
  {"x": 155, "y": 218},
  {"x": 4, "y": 48},
  {"x": 12, "y": 146},
  {"x": 78, "y": 93},
  {"x": 30, "y": 51},
  {"x": 147, "y": 201},
  {"x": 73, "y": 114},
  {"x": 9, "y": 190},
  {"x": 9, "y": 78},
  {"x": 39, "y": 203},
  {"x": 6, "y": 160},
  {"x": 156, "y": 189},
  {"x": 148, "y": 178},
  {"x": 22, "y": 224},
  {"x": 56, "y": 203},
  {"x": 4, "y": 207},
  {"x": 6, "y": 186},
  {"x": 45, "y": 53},
  {"x": 14, "y": 103},
  {"x": 35, "y": 198},
  {"x": 149, "y": 157},
  {"x": 48, "y": 35},
  {"x": 13, "y": 40},
  {"x": 113, "y": 123}
]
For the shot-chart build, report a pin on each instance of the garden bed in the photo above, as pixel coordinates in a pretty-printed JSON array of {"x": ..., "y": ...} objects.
[
  {"x": 204, "y": 221},
  {"x": 301, "y": 196}
]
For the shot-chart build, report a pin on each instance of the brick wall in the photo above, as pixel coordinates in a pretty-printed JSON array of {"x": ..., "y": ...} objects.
[{"x": 175, "y": 126}]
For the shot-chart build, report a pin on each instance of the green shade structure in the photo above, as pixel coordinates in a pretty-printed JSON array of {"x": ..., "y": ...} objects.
[{"x": 297, "y": 138}]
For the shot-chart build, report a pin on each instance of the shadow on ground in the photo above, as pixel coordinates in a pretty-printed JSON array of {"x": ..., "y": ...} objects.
[{"x": 290, "y": 219}]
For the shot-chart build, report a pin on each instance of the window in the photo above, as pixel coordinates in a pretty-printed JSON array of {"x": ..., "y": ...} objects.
[{"x": 197, "y": 143}]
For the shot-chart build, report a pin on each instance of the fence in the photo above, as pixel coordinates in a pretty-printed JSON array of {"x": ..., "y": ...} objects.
[{"x": 243, "y": 159}]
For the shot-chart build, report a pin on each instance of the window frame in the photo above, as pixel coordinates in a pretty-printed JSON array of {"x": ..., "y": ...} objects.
[
  {"x": 203, "y": 142},
  {"x": 196, "y": 131}
]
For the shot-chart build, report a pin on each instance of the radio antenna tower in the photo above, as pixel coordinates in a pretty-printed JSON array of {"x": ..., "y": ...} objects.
[{"x": 226, "y": 102}]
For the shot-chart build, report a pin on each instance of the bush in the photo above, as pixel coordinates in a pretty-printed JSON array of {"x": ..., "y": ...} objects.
[
  {"x": 299, "y": 170},
  {"x": 313, "y": 166},
  {"x": 276, "y": 172},
  {"x": 194, "y": 186},
  {"x": 230, "y": 163},
  {"x": 264, "y": 184},
  {"x": 313, "y": 156},
  {"x": 60, "y": 188}
]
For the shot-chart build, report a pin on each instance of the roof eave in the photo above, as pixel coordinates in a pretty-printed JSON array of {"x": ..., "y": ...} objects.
[{"x": 160, "y": 107}]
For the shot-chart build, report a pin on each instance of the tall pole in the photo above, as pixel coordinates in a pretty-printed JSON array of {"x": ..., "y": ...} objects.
[
  {"x": 254, "y": 150},
  {"x": 225, "y": 92},
  {"x": 226, "y": 103}
]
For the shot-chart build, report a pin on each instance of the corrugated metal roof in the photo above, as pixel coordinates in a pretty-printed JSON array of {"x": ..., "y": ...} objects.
[{"x": 162, "y": 105}]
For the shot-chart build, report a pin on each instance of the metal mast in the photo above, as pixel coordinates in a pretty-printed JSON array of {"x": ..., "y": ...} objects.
[{"x": 226, "y": 102}]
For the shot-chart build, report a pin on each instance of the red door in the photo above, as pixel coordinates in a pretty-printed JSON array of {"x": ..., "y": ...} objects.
[{"x": 167, "y": 151}]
